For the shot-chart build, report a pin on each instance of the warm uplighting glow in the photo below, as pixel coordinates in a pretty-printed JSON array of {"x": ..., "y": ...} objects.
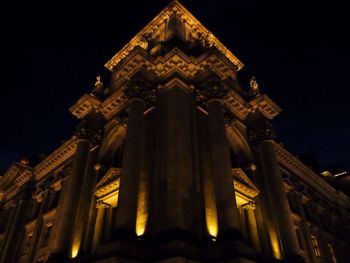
[
  {"x": 315, "y": 246},
  {"x": 75, "y": 250},
  {"x": 142, "y": 207},
  {"x": 211, "y": 216},
  {"x": 275, "y": 245}
]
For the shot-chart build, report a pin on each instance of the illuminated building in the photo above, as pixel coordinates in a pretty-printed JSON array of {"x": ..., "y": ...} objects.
[{"x": 173, "y": 161}]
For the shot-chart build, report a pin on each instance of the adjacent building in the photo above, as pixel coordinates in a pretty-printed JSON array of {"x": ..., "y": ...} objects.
[{"x": 173, "y": 161}]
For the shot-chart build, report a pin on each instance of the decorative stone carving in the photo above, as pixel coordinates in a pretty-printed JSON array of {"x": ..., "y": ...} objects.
[
  {"x": 249, "y": 205},
  {"x": 213, "y": 91},
  {"x": 141, "y": 86},
  {"x": 138, "y": 90}
]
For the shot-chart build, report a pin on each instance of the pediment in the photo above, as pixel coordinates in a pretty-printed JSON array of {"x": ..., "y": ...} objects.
[
  {"x": 108, "y": 183},
  {"x": 14, "y": 175},
  {"x": 241, "y": 176},
  {"x": 174, "y": 20}
]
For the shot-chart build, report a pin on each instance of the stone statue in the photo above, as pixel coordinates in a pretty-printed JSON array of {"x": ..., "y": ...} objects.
[
  {"x": 98, "y": 83},
  {"x": 98, "y": 89},
  {"x": 254, "y": 87}
]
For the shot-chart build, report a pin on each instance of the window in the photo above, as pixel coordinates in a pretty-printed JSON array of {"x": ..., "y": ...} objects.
[
  {"x": 300, "y": 239},
  {"x": 46, "y": 236},
  {"x": 315, "y": 246},
  {"x": 331, "y": 252}
]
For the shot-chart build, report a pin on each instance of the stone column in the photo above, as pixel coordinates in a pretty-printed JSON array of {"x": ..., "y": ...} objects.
[
  {"x": 260, "y": 132},
  {"x": 212, "y": 93},
  {"x": 252, "y": 226},
  {"x": 86, "y": 197},
  {"x": 228, "y": 216},
  {"x": 125, "y": 220},
  {"x": 88, "y": 131}
]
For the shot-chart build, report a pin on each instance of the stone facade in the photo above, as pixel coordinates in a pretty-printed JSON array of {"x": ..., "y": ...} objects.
[{"x": 173, "y": 161}]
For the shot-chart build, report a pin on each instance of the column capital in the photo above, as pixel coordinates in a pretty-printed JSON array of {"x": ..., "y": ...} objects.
[
  {"x": 141, "y": 87},
  {"x": 249, "y": 205},
  {"x": 209, "y": 87},
  {"x": 101, "y": 204},
  {"x": 259, "y": 127},
  {"x": 91, "y": 128},
  {"x": 210, "y": 92}
]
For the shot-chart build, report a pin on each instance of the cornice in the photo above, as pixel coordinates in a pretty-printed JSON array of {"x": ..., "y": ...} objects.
[
  {"x": 56, "y": 158},
  {"x": 266, "y": 105},
  {"x": 155, "y": 27},
  {"x": 84, "y": 105},
  {"x": 308, "y": 176},
  {"x": 236, "y": 104}
]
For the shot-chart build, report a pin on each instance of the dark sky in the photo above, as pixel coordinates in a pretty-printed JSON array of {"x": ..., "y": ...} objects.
[{"x": 298, "y": 52}]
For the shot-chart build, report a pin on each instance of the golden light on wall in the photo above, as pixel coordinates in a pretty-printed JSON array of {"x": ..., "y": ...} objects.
[
  {"x": 211, "y": 216},
  {"x": 142, "y": 207},
  {"x": 276, "y": 250},
  {"x": 75, "y": 250}
]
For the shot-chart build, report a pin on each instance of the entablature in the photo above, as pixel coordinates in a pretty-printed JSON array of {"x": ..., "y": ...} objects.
[
  {"x": 84, "y": 105},
  {"x": 308, "y": 176}
]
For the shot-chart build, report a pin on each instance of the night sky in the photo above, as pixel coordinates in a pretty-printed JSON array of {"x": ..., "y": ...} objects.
[{"x": 297, "y": 51}]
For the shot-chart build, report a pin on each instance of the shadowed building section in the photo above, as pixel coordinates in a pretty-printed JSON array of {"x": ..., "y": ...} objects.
[{"x": 173, "y": 161}]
